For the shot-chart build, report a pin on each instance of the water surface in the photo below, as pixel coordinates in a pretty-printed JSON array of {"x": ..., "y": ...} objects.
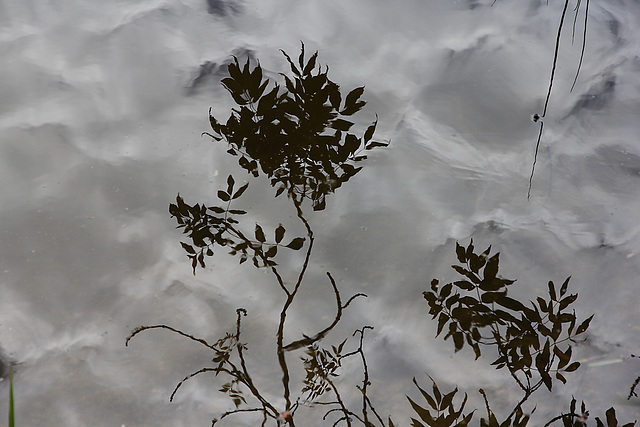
[{"x": 102, "y": 109}]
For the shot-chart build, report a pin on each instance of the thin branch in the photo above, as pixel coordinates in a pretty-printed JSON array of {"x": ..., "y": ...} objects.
[
  {"x": 244, "y": 376},
  {"x": 546, "y": 102},
  {"x": 201, "y": 371},
  {"x": 139, "y": 329},
  {"x": 584, "y": 42},
  {"x": 365, "y": 381},
  {"x": 307, "y": 341},
  {"x": 235, "y": 411},
  {"x": 282, "y": 360},
  {"x": 305, "y": 265},
  {"x": 535, "y": 160},
  {"x": 555, "y": 57}
]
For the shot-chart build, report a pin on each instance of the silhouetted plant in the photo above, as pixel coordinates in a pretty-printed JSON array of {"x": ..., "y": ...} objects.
[
  {"x": 298, "y": 138},
  {"x": 297, "y": 135},
  {"x": 443, "y": 404},
  {"x": 532, "y": 342},
  {"x": 528, "y": 339}
]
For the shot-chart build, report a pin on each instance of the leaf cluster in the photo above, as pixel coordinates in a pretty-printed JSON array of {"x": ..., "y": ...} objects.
[
  {"x": 297, "y": 134},
  {"x": 445, "y": 413},
  {"x": 208, "y": 226},
  {"x": 579, "y": 419},
  {"x": 321, "y": 366},
  {"x": 529, "y": 339}
]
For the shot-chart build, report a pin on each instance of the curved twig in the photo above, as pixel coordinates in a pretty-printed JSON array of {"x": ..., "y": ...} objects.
[
  {"x": 584, "y": 40},
  {"x": 307, "y": 341},
  {"x": 139, "y": 329}
]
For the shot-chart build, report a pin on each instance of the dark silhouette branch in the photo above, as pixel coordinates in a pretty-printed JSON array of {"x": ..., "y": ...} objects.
[{"x": 139, "y": 329}]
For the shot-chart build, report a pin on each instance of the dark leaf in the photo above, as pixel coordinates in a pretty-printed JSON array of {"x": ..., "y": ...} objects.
[
  {"x": 572, "y": 367},
  {"x": 584, "y": 325},
  {"x": 476, "y": 263},
  {"x": 341, "y": 124},
  {"x": 565, "y": 302},
  {"x": 442, "y": 320},
  {"x": 467, "y": 273},
  {"x": 188, "y": 248},
  {"x": 436, "y": 392},
  {"x": 510, "y": 303},
  {"x": 223, "y": 196},
  {"x": 259, "y": 234},
  {"x": 546, "y": 379},
  {"x": 375, "y": 144},
  {"x": 611, "y": 417},
  {"x": 279, "y": 233},
  {"x": 447, "y": 399},
  {"x": 552, "y": 291},
  {"x": 240, "y": 191},
  {"x": 258, "y": 93},
  {"x": 563, "y": 288},
  {"x": 369, "y": 132},
  {"x": 296, "y": 243},
  {"x": 426, "y": 395},
  {"x": 490, "y": 297},
  {"x": 350, "y": 101},
  {"x": 445, "y": 291},
  {"x": 230, "y": 183},
  {"x": 491, "y": 268},
  {"x": 271, "y": 252},
  {"x": 543, "y": 304},
  {"x": 461, "y": 253},
  {"x": 463, "y": 284},
  {"x": 311, "y": 64},
  {"x": 470, "y": 249},
  {"x": 542, "y": 359},
  {"x": 194, "y": 264},
  {"x": 564, "y": 357},
  {"x": 422, "y": 412}
]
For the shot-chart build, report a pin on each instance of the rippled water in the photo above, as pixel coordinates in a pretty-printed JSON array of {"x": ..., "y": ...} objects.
[{"x": 102, "y": 108}]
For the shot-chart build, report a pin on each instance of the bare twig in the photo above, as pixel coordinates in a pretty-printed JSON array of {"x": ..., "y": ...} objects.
[
  {"x": 139, "y": 329},
  {"x": 546, "y": 102}
]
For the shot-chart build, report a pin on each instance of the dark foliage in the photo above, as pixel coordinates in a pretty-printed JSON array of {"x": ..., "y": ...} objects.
[
  {"x": 208, "y": 226},
  {"x": 298, "y": 138},
  {"x": 533, "y": 342},
  {"x": 298, "y": 134}
]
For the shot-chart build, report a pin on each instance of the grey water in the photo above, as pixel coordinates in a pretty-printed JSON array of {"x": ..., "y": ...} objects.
[{"x": 101, "y": 114}]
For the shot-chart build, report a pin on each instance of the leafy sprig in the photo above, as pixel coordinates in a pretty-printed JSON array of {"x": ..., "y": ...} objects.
[
  {"x": 298, "y": 134},
  {"x": 532, "y": 341},
  {"x": 208, "y": 226}
]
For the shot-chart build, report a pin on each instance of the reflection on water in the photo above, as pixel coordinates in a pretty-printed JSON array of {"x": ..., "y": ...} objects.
[
  {"x": 103, "y": 107},
  {"x": 297, "y": 138}
]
